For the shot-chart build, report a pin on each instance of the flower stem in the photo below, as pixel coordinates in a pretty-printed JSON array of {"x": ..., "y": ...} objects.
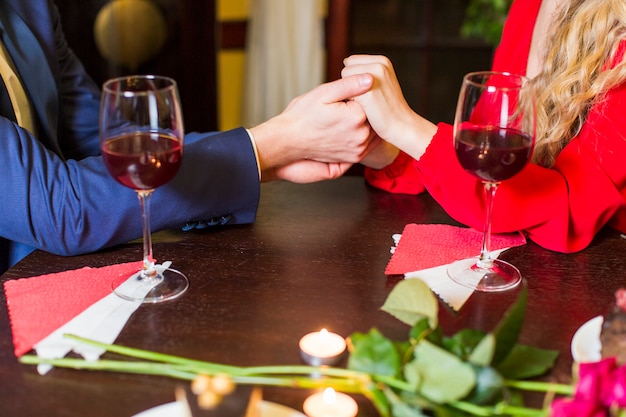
[
  {"x": 394, "y": 383},
  {"x": 236, "y": 371},
  {"x": 187, "y": 372},
  {"x": 561, "y": 389},
  {"x": 501, "y": 409},
  {"x": 157, "y": 357},
  {"x": 148, "y": 368},
  {"x": 304, "y": 370}
]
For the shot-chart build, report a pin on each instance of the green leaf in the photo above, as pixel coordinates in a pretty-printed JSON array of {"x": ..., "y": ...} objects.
[
  {"x": 413, "y": 375},
  {"x": 515, "y": 398},
  {"x": 483, "y": 353},
  {"x": 379, "y": 400},
  {"x": 412, "y": 300},
  {"x": 463, "y": 342},
  {"x": 443, "y": 376},
  {"x": 508, "y": 330},
  {"x": 404, "y": 404},
  {"x": 420, "y": 329},
  {"x": 527, "y": 362},
  {"x": 485, "y": 19},
  {"x": 442, "y": 411},
  {"x": 406, "y": 410},
  {"x": 436, "y": 336},
  {"x": 489, "y": 386},
  {"x": 404, "y": 349},
  {"x": 373, "y": 353}
]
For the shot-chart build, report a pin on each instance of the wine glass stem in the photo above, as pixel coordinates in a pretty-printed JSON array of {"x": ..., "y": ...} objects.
[
  {"x": 148, "y": 270},
  {"x": 485, "y": 260}
]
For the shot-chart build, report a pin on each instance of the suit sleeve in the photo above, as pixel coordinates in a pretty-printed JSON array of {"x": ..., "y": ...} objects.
[{"x": 74, "y": 206}]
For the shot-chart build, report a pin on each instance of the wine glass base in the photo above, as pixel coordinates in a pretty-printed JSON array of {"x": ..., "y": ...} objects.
[
  {"x": 499, "y": 276},
  {"x": 167, "y": 285}
]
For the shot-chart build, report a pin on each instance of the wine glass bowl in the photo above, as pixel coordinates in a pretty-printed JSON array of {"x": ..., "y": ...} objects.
[
  {"x": 494, "y": 134},
  {"x": 141, "y": 138},
  {"x": 492, "y": 154}
]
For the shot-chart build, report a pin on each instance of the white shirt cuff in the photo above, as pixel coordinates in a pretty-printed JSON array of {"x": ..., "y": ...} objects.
[{"x": 256, "y": 152}]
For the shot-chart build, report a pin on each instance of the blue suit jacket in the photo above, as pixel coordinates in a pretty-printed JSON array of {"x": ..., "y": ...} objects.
[{"x": 56, "y": 194}]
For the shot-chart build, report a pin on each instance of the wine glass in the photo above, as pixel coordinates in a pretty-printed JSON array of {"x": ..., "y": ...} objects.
[
  {"x": 494, "y": 134},
  {"x": 141, "y": 137}
]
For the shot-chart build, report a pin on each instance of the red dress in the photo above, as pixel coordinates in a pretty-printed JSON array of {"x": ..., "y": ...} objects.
[{"x": 560, "y": 208}]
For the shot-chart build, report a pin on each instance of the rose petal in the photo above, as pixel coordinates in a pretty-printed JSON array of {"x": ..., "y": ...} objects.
[
  {"x": 576, "y": 408},
  {"x": 595, "y": 380},
  {"x": 617, "y": 393}
]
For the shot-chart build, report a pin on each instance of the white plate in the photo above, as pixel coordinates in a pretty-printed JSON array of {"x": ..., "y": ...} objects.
[
  {"x": 176, "y": 409},
  {"x": 586, "y": 345}
]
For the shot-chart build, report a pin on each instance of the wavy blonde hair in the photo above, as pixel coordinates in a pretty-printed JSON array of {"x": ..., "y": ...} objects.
[{"x": 584, "y": 40}]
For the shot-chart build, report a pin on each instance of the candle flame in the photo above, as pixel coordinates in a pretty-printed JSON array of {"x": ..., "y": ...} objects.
[
  {"x": 323, "y": 332},
  {"x": 329, "y": 396}
]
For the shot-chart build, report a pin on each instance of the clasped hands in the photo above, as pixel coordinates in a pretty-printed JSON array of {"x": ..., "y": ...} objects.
[{"x": 324, "y": 132}]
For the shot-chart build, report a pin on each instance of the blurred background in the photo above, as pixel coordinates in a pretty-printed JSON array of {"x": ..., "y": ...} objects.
[{"x": 239, "y": 62}]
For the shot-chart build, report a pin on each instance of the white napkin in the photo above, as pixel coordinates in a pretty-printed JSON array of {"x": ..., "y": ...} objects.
[{"x": 102, "y": 321}]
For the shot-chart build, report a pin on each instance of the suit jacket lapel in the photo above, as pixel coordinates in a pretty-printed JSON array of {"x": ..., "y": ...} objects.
[{"x": 36, "y": 76}]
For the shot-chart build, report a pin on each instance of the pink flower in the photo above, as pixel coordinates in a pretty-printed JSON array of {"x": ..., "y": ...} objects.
[
  {"x": 617, "y": 394},
  {"x": 600, "y": 385},
  {"x": 595, "y": 380},
  {"x": 576, "y": 408}
]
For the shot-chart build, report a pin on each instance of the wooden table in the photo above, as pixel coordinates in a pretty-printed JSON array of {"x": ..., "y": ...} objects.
[{"x": 315, "y": 258}]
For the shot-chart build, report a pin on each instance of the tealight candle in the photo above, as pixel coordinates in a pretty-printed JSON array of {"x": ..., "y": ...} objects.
[
  {"x": 330, "y": 403},
  {"x": 322, "y": 348}
]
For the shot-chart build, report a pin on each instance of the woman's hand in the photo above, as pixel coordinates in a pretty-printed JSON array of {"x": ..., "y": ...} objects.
[{"x": 387, "y": 111}]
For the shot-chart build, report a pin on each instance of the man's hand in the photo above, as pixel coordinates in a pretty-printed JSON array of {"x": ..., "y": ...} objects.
[
  {"x": 322, "y": 125},
  {"x": 307, "y": 171}
]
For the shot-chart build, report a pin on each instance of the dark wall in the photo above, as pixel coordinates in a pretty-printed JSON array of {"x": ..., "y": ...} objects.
[
  {"x": 422, "y": 39},
  {"x": 420, "y": 36},
  {"x": 189, "y": 53}
]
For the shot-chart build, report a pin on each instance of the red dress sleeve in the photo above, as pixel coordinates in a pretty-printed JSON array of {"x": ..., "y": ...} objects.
[{"x": 401, "y": 176}]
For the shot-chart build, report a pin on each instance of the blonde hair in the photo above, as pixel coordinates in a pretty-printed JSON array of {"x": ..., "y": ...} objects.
[{"x": 578, "y": 70}]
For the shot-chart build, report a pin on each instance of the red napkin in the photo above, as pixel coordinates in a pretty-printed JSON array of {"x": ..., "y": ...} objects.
[
  {"x": 425, "y": 246},
  {"x": 40, "y": 305}
]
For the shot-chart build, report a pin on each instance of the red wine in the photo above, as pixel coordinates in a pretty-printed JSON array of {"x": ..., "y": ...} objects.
[
  {"x": 493, "y": 154},
  {"x": 143, "y": 160}
]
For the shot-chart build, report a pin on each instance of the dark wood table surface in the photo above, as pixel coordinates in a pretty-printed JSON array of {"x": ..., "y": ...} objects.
[{"x": 315, "y": 258}]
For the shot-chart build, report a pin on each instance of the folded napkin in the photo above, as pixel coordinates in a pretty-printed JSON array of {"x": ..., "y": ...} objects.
[
  {"x": 425, "y": 250},
  {"x": 44, "y": 308}
]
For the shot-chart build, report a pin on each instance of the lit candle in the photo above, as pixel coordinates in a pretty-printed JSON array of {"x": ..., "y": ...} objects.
[
  {"x": 322, "y": 348},
  {"x": 330, "y": 404}
]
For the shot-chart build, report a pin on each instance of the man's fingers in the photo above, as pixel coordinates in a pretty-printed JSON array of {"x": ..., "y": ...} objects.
[{"x": 346, "y": 88}]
